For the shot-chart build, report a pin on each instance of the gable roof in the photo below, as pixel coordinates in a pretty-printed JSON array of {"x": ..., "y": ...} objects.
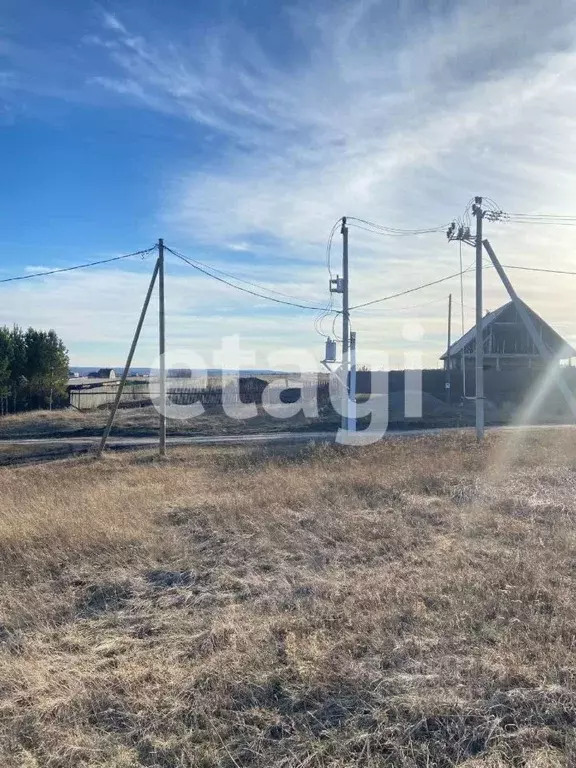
[{"x": 470, "y": 336}]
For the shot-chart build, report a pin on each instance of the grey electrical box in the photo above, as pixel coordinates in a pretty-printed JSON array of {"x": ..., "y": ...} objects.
[
  {"x": 337, "y": 285},
  {"x": 330, "y": 355}
]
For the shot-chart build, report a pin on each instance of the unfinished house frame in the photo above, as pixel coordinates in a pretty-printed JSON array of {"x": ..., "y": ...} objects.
[{"x": 508, "y": 342}]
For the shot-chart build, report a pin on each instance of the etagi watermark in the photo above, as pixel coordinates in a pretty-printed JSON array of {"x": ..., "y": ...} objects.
[{"x": 233, "y": 358}]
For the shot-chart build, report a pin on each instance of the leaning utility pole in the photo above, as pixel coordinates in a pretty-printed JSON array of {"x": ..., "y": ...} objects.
[
  {"x": 126, "y": 371},
  {"x": 345, "y": 324},
  {"x": 162, "y": 349},
  {"x": 524, "y": 314},
  {"x": 479, "y": 213}
]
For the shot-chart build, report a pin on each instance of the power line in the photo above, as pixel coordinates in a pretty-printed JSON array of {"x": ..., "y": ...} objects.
[
  {"x": 239, "y": 279},
  {"x": 393, "y": 231},
  {"x": 329, "y": 245},
  {"x": 397, "y": 229},
  {"x": 414, "y": 306},
  {"x": 392, "y": 234},
  {"x": 334, "y": 332},
  {"x": 540, "y": 215},
  {"x": 465, "y": 306},
  {"x": 410, "y": 290},
  {"x": 461, "y": 288},
  {"x": 244, "y": 290},
  {"x": 319, "y": 319},
  {"x": 539, "y": 269},
  {"x": 491, "y": 203},
  {"x": 77, "y": 266},
  {"x": 559, "y": 220},
  {"x": 541, "y": 222}
]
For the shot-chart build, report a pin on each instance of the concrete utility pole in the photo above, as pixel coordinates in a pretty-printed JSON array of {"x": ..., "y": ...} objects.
[
  {"x": 162, "y": 349},
  {"x": 479, "y": 213},
  {"x": 448, "y": 381},
  {"x": 463, "y": 234},
  {"x": 352, "y": 405},
  {"x": 345, "y": 324},
  {"x": 462, "y": 324}
]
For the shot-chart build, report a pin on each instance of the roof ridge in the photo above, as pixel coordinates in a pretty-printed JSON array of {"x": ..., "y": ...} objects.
[{"x": 489, "y": 318}]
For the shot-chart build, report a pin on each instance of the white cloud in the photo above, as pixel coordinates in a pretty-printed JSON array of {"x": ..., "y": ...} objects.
[
  {"x": 398, "y": 117},
  {"x": 398, "y": 120},
  {"x": 111, "y": 22},
  {"x": 95, "y": 311}
]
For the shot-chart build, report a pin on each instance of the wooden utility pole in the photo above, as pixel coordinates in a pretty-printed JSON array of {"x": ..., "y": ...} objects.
[
  {"x": 126, "y": 370},
  {"x": 479, "y": 213},
  {"x": 162, "y": 349},
  {"x": 448, "y": 381}
]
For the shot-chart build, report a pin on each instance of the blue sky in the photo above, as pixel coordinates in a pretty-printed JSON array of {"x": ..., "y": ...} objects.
[{"x": 240, "y": 131}]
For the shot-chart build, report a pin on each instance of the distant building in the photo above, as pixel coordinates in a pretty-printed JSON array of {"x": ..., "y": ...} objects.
[
  {"x": 507, "y": 343},
  {"x": 103, "y": 373}
]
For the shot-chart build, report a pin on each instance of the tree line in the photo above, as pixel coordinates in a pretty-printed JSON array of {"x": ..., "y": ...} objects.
[{"x": 33, "y": 369}]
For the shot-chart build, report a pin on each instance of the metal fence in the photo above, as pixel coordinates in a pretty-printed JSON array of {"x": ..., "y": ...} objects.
[{"x": 188, "y": 391}]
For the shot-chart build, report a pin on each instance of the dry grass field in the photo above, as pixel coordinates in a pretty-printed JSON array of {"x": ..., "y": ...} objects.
[
  {"x": 406, "y": 604},
  {"x": 144, "y": 421}
]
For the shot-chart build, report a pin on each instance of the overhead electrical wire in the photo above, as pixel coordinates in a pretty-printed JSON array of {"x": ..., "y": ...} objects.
[
  {"x": 560, "y": 220},
  {"x": 492, "y": 203},
  {"x": 409, "y": 307},
  {"x": 466, "y": 306},
  {"x": 461, "y": 289},
  {"x": 45, "y": 273},
  {"x": 239, "y": 279},
  {"x": 394, "y": 234},
  {"x": 540, "y": 215},
  {"x": 410, "y": 290},
  {"x": 329, "y": 245},
  {"x": 392, "y": 231},
  {"x": 334, "y": 333},
  {"x": 539, "y": 269},
  {"x": 238, "y": 287},
  {"x": 328, "y": 309},
  {"x": 497, "y": 214},
  {"x": 466, "y": 219},
  {"x": 397, "y": 230},
  {"x": 319, "y": 320},
  {"x": 539, "y": 222}
]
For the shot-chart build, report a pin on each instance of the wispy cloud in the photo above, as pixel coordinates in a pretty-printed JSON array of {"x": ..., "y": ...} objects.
[
  {"x": 398, "y": 116},
  {"x": 381, "y": 113},
  {"x": 111, "y": 22}
]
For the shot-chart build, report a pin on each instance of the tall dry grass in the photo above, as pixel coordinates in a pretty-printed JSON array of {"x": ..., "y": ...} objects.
[
  {"x": 407, "y": 604},
  {"x": 144, "y": 421}
]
